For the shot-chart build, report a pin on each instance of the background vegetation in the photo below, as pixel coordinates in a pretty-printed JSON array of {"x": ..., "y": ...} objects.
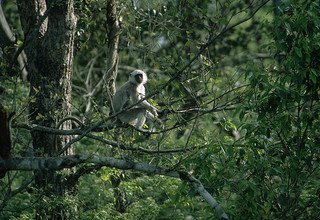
[{"x": 239, "y": 84}]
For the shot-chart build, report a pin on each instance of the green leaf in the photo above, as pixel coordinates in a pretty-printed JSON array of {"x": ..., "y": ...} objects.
[
  {"x": 297, "y": 50},
  {"x": 19, "y": 43},
  {"x": 314, "y": 76}
]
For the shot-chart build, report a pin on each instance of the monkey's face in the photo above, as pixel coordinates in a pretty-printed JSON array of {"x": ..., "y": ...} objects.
[{"x": 139, "y": 78}]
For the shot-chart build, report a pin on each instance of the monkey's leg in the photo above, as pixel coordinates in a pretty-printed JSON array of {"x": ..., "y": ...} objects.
[
  {"x": 153, "y": 119},
  {"x": 141, "y": 119},
  {"x": 135, "y": 117}
]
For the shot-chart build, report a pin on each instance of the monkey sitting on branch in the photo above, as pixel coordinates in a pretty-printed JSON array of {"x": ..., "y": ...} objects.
[{"x": 131, "y": 93}]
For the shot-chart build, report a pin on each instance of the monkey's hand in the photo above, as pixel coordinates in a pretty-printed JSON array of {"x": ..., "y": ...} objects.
[{"x": 154, "y": 111}]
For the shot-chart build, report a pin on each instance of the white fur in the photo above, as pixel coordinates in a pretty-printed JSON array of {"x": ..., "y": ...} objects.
[
  {"x": 130, "y": 93},
  {"x": 133, "y": 73}
]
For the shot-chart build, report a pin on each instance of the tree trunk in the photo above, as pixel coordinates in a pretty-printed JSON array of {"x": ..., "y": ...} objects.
[
  {"x": 107, "y": 83},
  {"x": 113, "y": 28},
  {"x": 5, "y": 139},
  {"x": 50, "y": 58}
]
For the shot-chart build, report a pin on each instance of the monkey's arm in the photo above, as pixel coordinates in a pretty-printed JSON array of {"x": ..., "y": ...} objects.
[
  {"x": 121, "y": 99},
  {"x": 137, "y": 95},
  {"x": 145, "y": 104},
  {"x": 126, "y": 102}
]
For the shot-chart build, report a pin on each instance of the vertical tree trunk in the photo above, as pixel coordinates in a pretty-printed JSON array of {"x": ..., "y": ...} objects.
[
  {"x": 5, "y": 139},
  {"x": 113, "y": 28},
  {"x": 50, "y": 58},
  {"x": 107, "y": 83}
]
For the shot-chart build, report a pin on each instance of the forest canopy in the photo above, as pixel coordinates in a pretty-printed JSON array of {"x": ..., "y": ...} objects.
[{"x": 231, "y": 109}]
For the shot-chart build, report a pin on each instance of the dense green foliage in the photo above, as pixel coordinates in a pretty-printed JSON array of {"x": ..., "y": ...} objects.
[{"x": 255, "y": 145}]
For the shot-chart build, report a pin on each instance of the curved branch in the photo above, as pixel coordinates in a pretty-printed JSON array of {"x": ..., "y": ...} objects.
[{"x": 7, "y": 38}]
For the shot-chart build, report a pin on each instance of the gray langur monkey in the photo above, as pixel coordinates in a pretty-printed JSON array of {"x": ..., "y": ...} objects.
[{"x": 131, "y": 93}]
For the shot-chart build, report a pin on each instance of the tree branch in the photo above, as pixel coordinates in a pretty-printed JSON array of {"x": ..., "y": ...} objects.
[
  {"x": 85, "y": 132},
  {"x": 58, "y": 163}
]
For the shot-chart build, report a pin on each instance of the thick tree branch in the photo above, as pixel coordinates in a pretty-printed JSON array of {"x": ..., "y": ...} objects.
[{"x": 58, "y": 163}]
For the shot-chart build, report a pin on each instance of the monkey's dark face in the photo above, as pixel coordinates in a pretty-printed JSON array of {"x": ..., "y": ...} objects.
[{"x": 139, "y": 78}]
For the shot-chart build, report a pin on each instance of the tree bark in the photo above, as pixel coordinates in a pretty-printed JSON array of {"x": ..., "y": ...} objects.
[
  {"x": 113, "y": 27},
  {"x": 50, "y": 59},
  {"x": 5, "y": 139}
]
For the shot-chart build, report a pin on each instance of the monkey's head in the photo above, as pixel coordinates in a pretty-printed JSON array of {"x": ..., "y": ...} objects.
[{"x": 138, "y": 77}]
